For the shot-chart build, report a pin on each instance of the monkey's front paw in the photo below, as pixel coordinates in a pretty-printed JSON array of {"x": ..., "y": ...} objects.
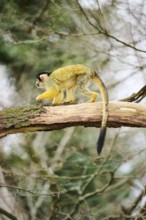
[
  {"x": 67, "y": 102},
  {"x": 38, "y": 98}
]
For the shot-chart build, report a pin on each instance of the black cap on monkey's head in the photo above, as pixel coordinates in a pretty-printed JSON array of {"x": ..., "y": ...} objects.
[{"x": 41, "y": 73}]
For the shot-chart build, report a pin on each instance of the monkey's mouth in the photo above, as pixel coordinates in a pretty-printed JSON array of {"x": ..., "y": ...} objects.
[{"x": 37, "y": 85}]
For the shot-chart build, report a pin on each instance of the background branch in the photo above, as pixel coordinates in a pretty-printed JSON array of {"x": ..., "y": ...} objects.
[
  {"x": 38, "y": 16},
  {"x": 9, "y": 215},
  {"x": 103, "y": 31}
]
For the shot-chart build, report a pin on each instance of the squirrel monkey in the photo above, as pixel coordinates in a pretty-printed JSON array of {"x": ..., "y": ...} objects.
[{"x": 69, "y": 78}]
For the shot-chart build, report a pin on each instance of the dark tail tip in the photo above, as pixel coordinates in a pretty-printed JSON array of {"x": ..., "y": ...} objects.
[{"x": 101, "y": 139}]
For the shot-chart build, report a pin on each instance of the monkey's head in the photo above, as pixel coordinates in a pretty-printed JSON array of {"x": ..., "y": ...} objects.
[{"x": 41, "y": 79}]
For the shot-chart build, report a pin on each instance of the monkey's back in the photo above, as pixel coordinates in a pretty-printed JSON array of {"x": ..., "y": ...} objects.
[{"x": 65, "y": 73}]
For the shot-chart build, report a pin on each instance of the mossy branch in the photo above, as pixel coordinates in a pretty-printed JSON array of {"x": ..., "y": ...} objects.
[{"x": 47, "y": 118}]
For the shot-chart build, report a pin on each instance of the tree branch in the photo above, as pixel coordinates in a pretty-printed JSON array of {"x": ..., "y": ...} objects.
[
  {"x": 38, "y": 16},
  {"x": 103, "y": 31},
  {"x": 9, "y": 215},
  {"x": 47, "y": 118},
  {"x": 136, "y": 97}
]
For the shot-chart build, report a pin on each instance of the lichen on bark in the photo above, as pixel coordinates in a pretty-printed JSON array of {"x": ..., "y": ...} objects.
[{"x": 18, "y": 116}]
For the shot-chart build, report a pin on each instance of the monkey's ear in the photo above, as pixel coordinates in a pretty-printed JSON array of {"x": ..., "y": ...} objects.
[{"x": 42, "y": 78}]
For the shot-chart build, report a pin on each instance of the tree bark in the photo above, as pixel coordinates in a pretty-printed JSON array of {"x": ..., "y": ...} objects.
[{"x": 47, "y": 118}]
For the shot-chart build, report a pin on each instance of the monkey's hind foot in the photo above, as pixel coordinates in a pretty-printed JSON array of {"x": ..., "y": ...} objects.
[{"x": 93, "y": 98}]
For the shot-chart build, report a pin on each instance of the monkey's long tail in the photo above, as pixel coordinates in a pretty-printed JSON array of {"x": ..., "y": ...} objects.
[{"x": 104, "y": 94}]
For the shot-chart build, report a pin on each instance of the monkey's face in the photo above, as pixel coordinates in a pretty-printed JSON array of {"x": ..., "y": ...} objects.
[
  {"x": 40, "y": 82},
  {"x": 42, "y": 79}
]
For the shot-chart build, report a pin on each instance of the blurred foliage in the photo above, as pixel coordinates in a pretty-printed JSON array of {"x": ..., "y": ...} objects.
[
  {"x": 58, "y": 175},
  {"x": 30, "y": 41}
]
